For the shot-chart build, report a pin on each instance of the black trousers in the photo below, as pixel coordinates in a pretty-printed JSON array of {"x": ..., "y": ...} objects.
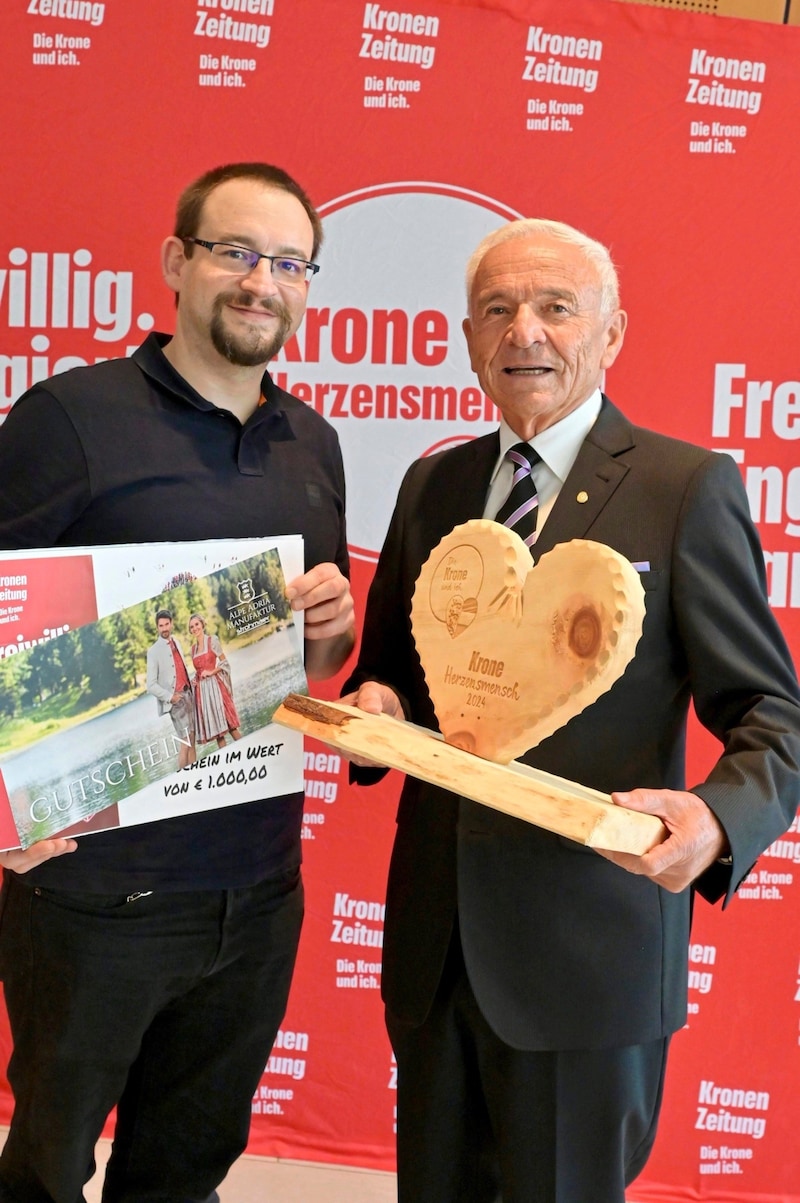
[
  {"x": 481, "y": 1122},
  {"x": 164, "y": 1005}
]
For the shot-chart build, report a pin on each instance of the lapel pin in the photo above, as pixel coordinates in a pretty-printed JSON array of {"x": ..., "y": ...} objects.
[{"x": 582, "y": 497}]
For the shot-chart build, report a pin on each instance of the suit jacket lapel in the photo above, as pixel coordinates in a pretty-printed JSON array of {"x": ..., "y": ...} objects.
[
  {"x": 595, "y": 475},
  {"x": 468, "y": 498}
]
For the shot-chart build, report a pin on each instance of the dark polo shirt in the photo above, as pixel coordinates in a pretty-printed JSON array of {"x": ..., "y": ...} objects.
[{"x": 127, "y": 452}]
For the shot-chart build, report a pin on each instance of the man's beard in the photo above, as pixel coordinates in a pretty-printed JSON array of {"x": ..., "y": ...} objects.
[{"x": 256, "y": 347}]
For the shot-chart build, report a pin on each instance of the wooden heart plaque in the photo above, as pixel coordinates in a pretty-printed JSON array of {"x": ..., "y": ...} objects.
[{"x": 512, "y": 651}]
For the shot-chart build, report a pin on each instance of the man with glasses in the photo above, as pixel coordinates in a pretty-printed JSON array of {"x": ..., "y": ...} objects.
[{"x": 149, "y": 969}]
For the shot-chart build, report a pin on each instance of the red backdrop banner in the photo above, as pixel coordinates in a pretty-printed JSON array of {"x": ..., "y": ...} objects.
[{"x": 418, "y": 126}]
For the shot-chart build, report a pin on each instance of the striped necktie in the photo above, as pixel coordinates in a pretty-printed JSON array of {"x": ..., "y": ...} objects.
[{"x": 519, "y": 509}]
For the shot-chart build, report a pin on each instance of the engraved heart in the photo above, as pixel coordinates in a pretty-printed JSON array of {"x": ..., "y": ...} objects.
[{"x": 511, "y": 652}]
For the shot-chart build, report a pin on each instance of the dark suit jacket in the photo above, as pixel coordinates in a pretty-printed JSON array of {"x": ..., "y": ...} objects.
[{"x": 563, "y": 948}]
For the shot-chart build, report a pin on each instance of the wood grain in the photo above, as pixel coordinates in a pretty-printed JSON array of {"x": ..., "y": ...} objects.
[{"x": 564, "y": 807}]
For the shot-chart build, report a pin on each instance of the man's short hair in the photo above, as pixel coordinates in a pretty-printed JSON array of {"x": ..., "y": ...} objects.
[
  {"x": 597, "y": 254},
  {"x": 162, "y": 614},
  {"x": 191, "y": 201}
]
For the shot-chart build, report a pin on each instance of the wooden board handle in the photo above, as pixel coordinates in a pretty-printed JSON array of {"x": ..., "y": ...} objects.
[{"x": 563, "y": 807}]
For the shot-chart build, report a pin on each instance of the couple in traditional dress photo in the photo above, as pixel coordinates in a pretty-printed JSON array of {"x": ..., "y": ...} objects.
[{"x": 200, "y": 703}]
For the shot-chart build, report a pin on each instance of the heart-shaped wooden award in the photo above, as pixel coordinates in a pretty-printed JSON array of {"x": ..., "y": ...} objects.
[{"x": 510, "y": 652}]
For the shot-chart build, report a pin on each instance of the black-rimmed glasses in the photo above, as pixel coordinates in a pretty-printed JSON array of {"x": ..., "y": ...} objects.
[{"x": 242, "y": 260}]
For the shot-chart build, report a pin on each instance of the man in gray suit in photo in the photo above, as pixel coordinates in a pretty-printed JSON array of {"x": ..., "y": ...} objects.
[
  {"x": 531, "y": 984},
  {"x": 168, "y": 681}
]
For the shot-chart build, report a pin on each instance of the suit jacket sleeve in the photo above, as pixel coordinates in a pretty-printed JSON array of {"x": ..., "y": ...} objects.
[
  {"x": 388, "y": 653},
  {"x": 154, "y": 686},
  {"x": 742, "y": 681}
]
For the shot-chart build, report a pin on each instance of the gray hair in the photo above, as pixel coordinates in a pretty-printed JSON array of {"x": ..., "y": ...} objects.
[{"x": 594, "y": 251}]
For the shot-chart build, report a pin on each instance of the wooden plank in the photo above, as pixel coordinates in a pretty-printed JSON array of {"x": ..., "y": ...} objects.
[{"x": 564, "y": 807}]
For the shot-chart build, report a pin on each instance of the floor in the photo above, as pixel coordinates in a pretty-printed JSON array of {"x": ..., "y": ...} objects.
[{"x": 257, "y": 1179}]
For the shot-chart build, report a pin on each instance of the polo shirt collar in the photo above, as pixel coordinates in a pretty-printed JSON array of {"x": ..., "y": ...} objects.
[{"x": 151, "y": 359}]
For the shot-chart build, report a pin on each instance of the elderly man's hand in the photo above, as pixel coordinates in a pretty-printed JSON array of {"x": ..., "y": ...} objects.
[{"x": 696, "y": 838}]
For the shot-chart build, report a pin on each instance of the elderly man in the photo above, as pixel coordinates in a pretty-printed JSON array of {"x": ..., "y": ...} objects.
[
  {"x": 532, "y": 984},
  {"x": 150, "y": 968}
]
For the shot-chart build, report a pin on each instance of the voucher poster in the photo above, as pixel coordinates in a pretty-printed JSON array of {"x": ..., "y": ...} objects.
[{"x": 132, "y": 712}]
